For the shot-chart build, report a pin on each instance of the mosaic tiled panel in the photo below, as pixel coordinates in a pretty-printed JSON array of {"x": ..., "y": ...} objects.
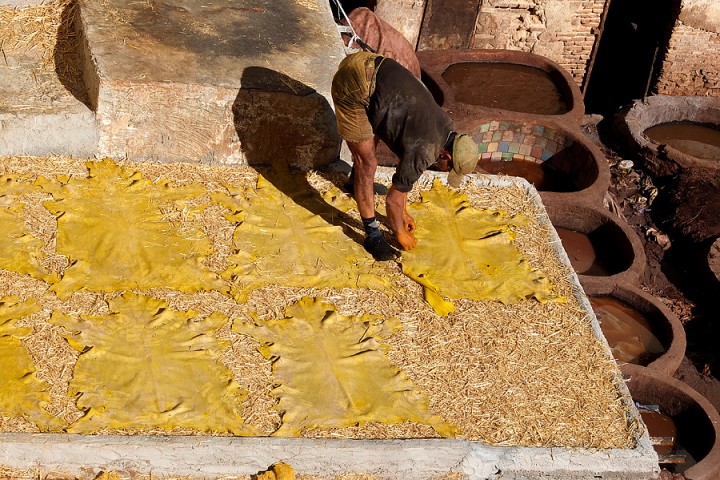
[{"x": 506, "y": 140}]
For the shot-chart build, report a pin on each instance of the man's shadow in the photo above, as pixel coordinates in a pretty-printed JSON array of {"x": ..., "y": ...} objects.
[{"x": 287, "y": 128}]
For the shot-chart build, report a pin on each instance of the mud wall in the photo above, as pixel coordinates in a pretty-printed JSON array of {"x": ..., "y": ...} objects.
[{"x": 692, "y": 63}]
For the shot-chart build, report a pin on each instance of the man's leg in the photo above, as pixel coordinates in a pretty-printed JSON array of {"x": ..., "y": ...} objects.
[
  {"x": 350, "y": 182},
  {"x": 364, "y": 168}
]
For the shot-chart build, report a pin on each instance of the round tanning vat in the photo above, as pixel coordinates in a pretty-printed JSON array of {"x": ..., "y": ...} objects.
[
  {"x": 478, "y": 82},
  {"x": 661, "y": 133},
  {"x": 639, "y": 328},
  {"x": 602, "y": 249},
  {"x": 690, "y": 446},
  {"x": 672, "y": 134},
  {"x": 559, "y": 162}
]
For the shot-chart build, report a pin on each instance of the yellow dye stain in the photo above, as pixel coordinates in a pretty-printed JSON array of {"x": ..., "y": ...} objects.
[
  {"x": 332, "y": 371},
  {"x": 19, "y": 251},
  {"x": 464, "y": 252},
  {"x": 112, "y": 226},
  {"x": 292, "y": 241},
  {"x": 146, "y": 367},
  {"x": 21, "y": 392}
]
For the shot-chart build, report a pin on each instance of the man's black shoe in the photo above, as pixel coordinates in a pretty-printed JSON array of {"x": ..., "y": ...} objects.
[{"x": 378, "y": 247}]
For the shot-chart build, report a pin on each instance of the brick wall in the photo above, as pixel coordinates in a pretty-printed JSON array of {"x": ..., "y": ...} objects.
[
  {"x": 561, "y": 30},
  {"x": 692, "y": 64},
  {"x": 579, "y": 39}
]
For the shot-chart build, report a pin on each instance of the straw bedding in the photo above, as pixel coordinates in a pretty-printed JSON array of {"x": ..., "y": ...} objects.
[
  {"x": 527, "y": 374},
  {"x": 37, "y": 475},
  {"x": 43, "y": 40},
  {"x": 39, "y": 30}
]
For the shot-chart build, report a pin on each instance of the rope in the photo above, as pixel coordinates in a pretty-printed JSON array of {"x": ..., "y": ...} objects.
[{"x": 349, "y": 29}]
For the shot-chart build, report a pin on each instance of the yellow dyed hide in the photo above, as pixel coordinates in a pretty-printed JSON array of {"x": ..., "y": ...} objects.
[
  {"x": 145, "y": 366},
  {"x": 288, "y": 241},
  {"x": 22, "y": 394},
  {"x": 332, "y": 373},
  {"x": 279, "y": 471},
  {"x": 464, "y": 252},
  {"x": 19, "y": 251},
  {"x": 112, "y": 227}
]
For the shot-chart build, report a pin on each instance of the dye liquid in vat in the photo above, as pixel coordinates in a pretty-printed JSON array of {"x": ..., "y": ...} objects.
[
  {"x": 508, "y": 86},
  {"x": 663, "y": 432},
  {"x": 689, "y": 138},
  {"x": 543, "y": 177},
  {"x": 628, "y": 332},
  {"x": 660, "y": 426},
  {"x": 584, "y": 255}
]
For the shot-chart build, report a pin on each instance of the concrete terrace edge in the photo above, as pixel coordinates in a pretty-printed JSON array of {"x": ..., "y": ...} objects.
[
  {"x": 213, "y": 457},
  {"x": 67, "y": 132}
]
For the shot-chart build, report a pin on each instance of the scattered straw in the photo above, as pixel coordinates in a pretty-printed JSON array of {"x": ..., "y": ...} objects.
[
  {"x": 526, "y": 374},
  {"x": 33, "y": 28},
  {"x": 44, "y": 41}
]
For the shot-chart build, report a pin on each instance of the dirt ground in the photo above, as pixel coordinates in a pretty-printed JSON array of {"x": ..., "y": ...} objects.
[{"x": 677, "y": 267}]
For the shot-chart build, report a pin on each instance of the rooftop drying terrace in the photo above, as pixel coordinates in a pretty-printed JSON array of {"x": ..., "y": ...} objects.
[{"x": 183, "y": 97}]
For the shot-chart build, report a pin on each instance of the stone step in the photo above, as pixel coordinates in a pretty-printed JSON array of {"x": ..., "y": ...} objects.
[
  {"x": 218, "y": 82},
  {"x": 212, "y": 81},
  {"x": 38, "y": 115}
]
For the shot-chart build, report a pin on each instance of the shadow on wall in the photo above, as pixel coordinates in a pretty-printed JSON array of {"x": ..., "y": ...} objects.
[
  {"x": 630, "y": 53},
  {"x": 285, "y": 126},
  {"x": 67, "y": 53},
  {"x": 279, "y": 119}
]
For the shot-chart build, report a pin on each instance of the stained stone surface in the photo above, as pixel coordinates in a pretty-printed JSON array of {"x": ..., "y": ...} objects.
[{"x": 213, "y": 81}]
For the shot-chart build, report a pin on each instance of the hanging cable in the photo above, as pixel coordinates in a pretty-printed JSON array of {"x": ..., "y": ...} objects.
[{"x": 347, "y": 29}]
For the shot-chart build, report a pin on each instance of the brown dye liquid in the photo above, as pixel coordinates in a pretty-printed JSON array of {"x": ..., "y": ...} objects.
[
  {"x": 692, "y": 139},
  {"x": 582, "y": 253},
  {"x": 544, "y": 178},
  {"x": 628, "y": 332},
  {"x": 509, "y": 86},
  {"x": 660, "y": 425}
]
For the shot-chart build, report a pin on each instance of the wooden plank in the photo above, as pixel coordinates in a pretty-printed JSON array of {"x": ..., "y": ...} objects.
[
  {"x": 448, "y": 24},
  {"x": 405, "y": 15}
]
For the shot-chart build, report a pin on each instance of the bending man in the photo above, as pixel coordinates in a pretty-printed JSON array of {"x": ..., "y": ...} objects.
[{"x": 376, "y": 98}]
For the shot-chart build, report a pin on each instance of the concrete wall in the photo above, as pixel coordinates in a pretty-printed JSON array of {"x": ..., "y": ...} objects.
[{"x": 692, "y": 63}]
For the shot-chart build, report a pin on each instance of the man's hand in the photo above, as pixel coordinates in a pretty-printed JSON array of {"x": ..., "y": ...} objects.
[
  {"x": 408, "y": 222},
  {"x": 406, "y": 237},
  {"x": 406, "y": 240}
]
